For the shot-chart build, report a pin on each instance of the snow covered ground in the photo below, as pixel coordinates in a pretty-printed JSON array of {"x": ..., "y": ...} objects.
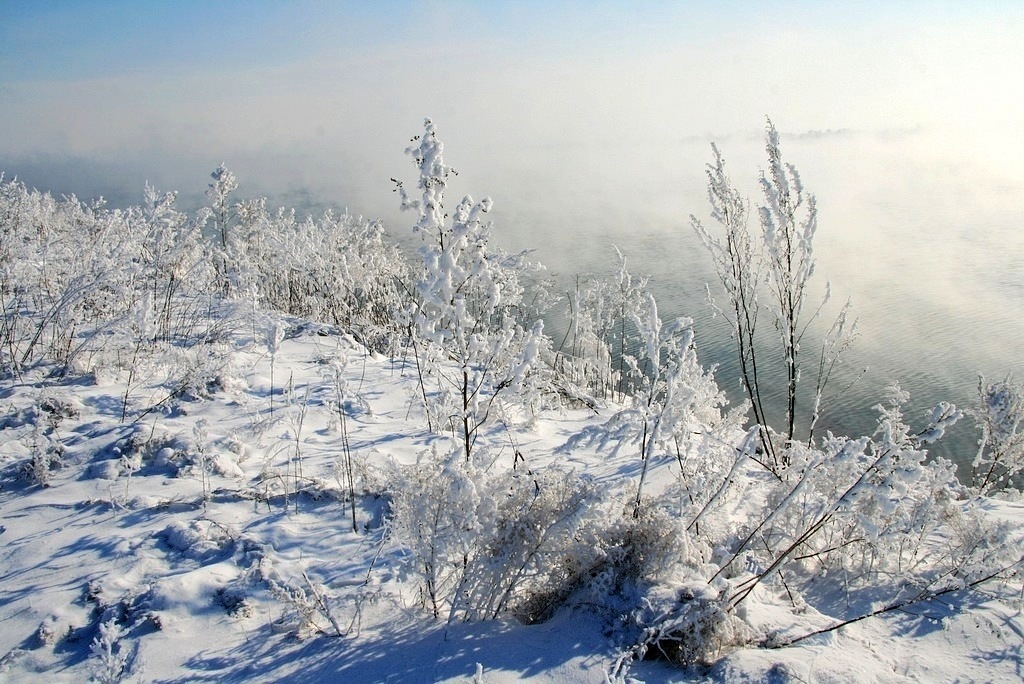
[{"x": 211, "y": 540}]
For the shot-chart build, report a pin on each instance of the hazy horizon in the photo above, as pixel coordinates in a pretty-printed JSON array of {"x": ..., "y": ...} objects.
[
  {"x": 587, "y": 123},
  {"x": 324, "y": 96}
]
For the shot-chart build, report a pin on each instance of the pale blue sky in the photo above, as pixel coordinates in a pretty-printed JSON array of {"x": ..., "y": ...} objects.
[
  {"x": 88, "y": 38},
  {"x": 44, "y": 39},
  {"x": 67, "y": 40}
]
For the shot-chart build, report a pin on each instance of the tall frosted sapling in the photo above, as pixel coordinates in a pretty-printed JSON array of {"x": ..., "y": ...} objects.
[
  {"x": 771, "y": 271},
  {"x": 463, "y": 323},
  {"x": 218, "y": 192}
]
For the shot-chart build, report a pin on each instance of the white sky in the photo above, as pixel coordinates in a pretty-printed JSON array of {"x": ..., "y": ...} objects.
[{"x": 509, "y": 84}]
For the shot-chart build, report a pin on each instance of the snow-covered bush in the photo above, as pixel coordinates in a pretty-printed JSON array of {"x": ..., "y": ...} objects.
[
  {"x": 629, "y": 555},
  {"x": 63, "y": 264},
  {"x": 46, "y": 455},
  {"x": 863, "y": 506},
  {"x": 692, "y": 626},
  {"x": 676, "y": 399},
  {"x": 201, "y": 540},
  {"x": 218, "y": 192},
  {"x": 584, "y": 358},
  {"x": 174, "y": 269},
  {"x": 341, "y": 270},
  {"x": 305, "y": 608},
  {"x": 110, "y": 656},
  {"x": 1000, "y": 455},
  {"x": 924, "y": 547},
  {"x": 75, "y": 278},
  {"x": 675, "y": 404},
  {"x": 481, "y": 540},
  {"x": 853, "y": 517},
  {"x": 471, "y": 346},
  {"x": 118, "y": 616},
  {"x": 335, "y": 269},
  {"x": 601, "y": 338},
  {"x": 40, "y": 437}
]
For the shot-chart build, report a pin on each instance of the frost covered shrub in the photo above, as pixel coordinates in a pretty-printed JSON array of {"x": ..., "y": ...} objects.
[
  {"x": 584, "y": 358},
  {"x": 46, "y": 455},
  {"x": 81, "y": 284},
  {"x": 75, "y": 277},
  {"x": 710, "y": 480},
  {"x": 631, "y": 553},
  {"x": 676, "y": 399},
  {"x": 874, "y": 514},
  {"x": 109, "y": 655},
  {"x": 304, "y": 606},
  {"x": 116, "y": 618},
  {"x": 867, "y": 506},
  {"x": 198, "y": 372},
  {"x": 174, "y": 269},
  {"x": 335, "y": 269},
  {"x": 483, "y": 541},
  {"x": 676, "y": 402},
  {"x": 471, "y": 347},
  {"x": 533, "y": 525},
  {"x": 201, "y": 540},
  {"x": 693, "y": 627},
  {"x": 218, "y": 192},
  {"x": 601, "y": 334},
  {"x": 649, "y": 577},
  {"x": 58, "y": 264},
  {"x": 433, "y": 513},
  {"x": 40, "y": 438},
  {"x": 1000, "y": 457}
]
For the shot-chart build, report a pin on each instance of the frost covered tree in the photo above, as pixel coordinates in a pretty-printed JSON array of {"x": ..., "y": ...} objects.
[
  {"x": 738, "y": 264},
  {"x": 219, "y": 192},
  {"x": 770, "y": 272},
  {"x": 463, "y": 321},
  {"x": 789, "y": 219}
]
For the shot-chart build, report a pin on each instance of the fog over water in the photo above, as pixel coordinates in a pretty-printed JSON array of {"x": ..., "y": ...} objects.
[
  {"x": 928, "y": 245},
  {"x": 589, "y": 126}
]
